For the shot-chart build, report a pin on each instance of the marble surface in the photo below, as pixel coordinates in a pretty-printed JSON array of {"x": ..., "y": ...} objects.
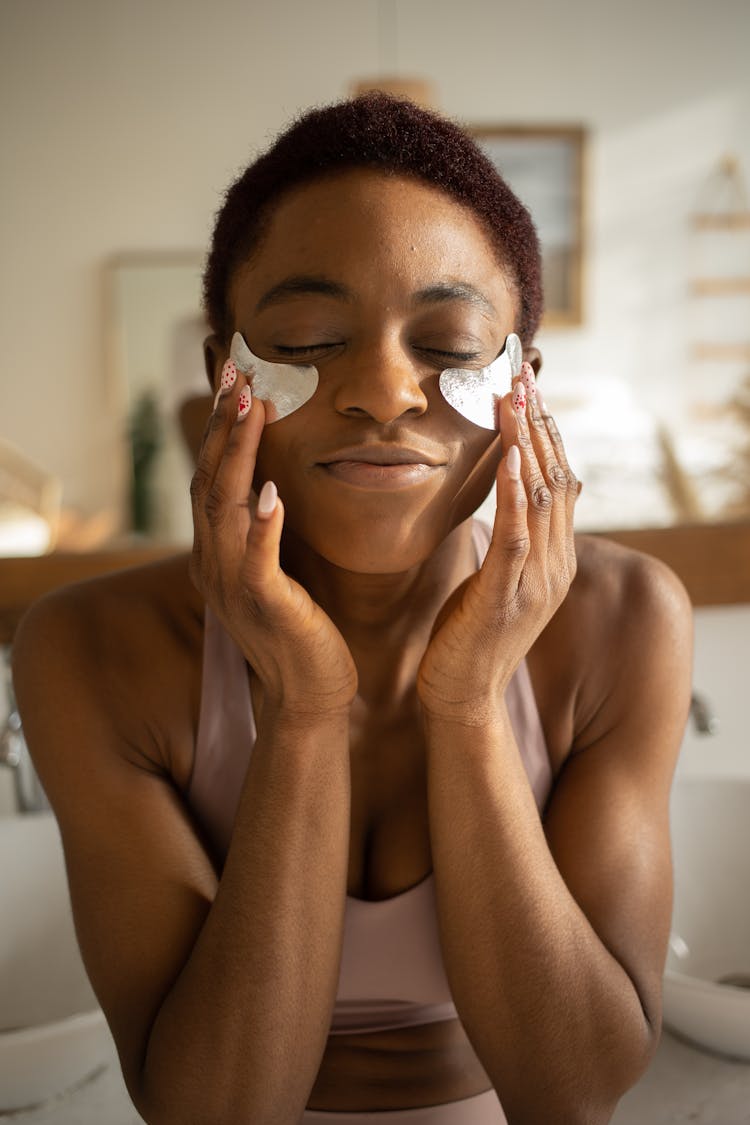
[
  {"x": 685, "y": 1085},
  {"x": 682, "y": 1087}
]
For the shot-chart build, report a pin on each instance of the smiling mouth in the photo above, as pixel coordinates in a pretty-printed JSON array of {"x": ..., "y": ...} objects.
[{"x": 381, "y": 467}]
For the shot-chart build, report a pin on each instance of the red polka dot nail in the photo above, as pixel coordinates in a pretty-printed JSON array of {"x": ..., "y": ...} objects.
[
  {"x": 243, "y": 402},
  {"x": 519, "y": 398},
  {"x": 228, "y": 376},
  {"x": 529, "y": 381}
]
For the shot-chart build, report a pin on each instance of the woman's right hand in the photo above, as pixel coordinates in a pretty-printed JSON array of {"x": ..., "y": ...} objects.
[{"x": 299, "y": 656}]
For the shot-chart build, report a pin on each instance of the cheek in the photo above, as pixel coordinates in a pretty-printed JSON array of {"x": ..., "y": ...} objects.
[
  {"x": 475, "y": 473},
  {"x": 270, "y": 459}
]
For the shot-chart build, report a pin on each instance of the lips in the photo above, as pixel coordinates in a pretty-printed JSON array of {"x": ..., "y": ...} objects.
[
  {"x": 379, "y": 466},
  {"x": 382, "y": 455}
]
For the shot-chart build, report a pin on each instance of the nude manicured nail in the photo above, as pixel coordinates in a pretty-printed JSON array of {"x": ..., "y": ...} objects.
[
  {"x": 267, "y": 499},
  {"x": 514, "y": 463},
  {"x": 244, "y": 402}
]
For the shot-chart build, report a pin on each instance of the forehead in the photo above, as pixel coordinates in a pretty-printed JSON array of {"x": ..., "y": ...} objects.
[{"x": 377, "y": 229}]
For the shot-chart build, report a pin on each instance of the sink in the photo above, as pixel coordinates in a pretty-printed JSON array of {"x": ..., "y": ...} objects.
[
  {"x": 707, "y": 977},
  {"x": 53, "y": 1035}
]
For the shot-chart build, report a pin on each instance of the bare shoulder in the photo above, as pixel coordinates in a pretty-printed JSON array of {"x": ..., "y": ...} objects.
[
  {"x": 131, "y": 640},
  {"x": 617, "y": 585},
  {"x": 626, "y": 619},
  {"x": 634, "y": 623}
]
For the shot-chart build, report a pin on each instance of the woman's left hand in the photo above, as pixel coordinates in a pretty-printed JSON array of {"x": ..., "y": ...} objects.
[{"x": 490, "y": 622}]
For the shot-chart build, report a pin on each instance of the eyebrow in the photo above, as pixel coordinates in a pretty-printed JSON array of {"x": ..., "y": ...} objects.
[
  {"x": 302, "y": 284},
  {"x": 310, "y": 284},
  {"x": 455, "y": 291}
]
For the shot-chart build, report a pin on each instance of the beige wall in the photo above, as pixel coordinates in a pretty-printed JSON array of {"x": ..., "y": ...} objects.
[{"x": 123, "y": 121}]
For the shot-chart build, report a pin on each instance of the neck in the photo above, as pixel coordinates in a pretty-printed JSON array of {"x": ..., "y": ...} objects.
[{"x": 385, "y": 619}]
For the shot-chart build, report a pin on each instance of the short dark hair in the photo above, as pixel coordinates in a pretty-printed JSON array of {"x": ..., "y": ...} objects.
[{"x": 378, "y": 131}]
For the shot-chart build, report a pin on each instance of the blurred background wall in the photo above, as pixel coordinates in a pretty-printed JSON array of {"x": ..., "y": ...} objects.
[{"x": 123, "y": 122}]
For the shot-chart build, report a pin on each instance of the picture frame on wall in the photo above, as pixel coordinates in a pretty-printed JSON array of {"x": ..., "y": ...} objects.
[{"x": 544, "y": 165}]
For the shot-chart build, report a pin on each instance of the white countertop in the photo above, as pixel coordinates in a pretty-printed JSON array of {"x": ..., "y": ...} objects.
[{"x": 683, "y": 1085}]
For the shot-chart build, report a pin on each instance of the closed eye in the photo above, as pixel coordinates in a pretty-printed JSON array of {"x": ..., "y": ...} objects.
[
  {"x": 308, "y": 349},
  {"x": 305, "y": 349},
  {"x": 460, "y": 357}
]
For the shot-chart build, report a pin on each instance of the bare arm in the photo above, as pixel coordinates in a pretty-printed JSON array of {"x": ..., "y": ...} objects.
[
  {"x": 555, "y": 936},
  {"x": 242, "y": 1031},
  {"x": 218, "y": 992}
]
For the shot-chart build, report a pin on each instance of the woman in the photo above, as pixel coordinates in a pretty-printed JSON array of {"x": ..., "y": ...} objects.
[{"x": 364, "y": 813}]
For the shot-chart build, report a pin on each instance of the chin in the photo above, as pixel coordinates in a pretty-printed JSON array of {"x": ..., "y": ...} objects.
[{"x": 364, "y": 543}]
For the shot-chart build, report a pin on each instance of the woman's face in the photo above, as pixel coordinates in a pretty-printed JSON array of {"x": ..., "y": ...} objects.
[{"x": 381, "y": 283}]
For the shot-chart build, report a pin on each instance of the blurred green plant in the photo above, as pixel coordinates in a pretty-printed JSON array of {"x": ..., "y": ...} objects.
[{"x": 145, "y": 433}]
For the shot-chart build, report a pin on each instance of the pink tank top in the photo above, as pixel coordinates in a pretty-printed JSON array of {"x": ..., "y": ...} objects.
[{"x": 392, "y": 973}]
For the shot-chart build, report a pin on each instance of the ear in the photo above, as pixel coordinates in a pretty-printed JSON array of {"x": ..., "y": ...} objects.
[
  {"x": 214, "y": 356},
  {"x": 534, "y": 357}
]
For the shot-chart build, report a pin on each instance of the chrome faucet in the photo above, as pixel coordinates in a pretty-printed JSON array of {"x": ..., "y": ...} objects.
[
  {"x": 704, "y": 717},
  {"x": 14, "y": 753}
]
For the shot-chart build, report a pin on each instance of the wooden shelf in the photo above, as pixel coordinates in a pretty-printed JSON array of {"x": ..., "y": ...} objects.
[
  {"x": 727, "y": 220},
  {"x": 23, "y": 580},
  {"x": 722, "y": 352},
  {"x": 720, "y": 286},
  {"x": 713, "y": 560}
]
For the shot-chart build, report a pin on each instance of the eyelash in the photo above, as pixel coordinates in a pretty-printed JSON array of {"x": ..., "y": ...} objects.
[
  {"x": 463, "y": 357},
  {"x": 303, "y": 350}
]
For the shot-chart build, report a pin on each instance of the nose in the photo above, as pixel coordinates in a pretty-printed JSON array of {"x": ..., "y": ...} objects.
[{"x": 382, "y": 384}]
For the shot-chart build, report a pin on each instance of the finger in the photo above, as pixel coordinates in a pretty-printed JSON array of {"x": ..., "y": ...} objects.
[
  {"x": 554, "y": 473},
  {"x": 215, "y": 435},
  {"x": 572, "y": 487},
  {"x": 556, "y": 441},
  {"x": 222, "y": 485},
  {"x": 516, "y": 428},
  {"x": 218, "y": 418},
  {"x": 261, "y": 567},
  {"x": 511, "y": 542},
  {"x": 545, "y": 449},
  {"x": 229, "y": 498}
]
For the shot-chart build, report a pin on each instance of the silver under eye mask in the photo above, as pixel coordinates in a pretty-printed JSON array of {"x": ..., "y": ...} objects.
[
  {"x": 474, "y": 394},
  {"x": 283, "y": 387}
]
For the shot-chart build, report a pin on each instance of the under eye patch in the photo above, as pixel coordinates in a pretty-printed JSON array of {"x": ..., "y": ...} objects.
[
  {"x": 283, "y": 387},
  {"x": 474, "y": 394}
]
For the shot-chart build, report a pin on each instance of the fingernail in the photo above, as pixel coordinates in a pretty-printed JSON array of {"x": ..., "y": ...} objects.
[
  {"x": 227, "y": 381},
  {"x": 514, "y": 463},
  {"x": 519, "y": 398},
  {"x": 228, "y": 376},
  {"x": 529, "y": 381},
  {"x": 540, "y": 401},
  {"x": 267, "y": 499},
  {"x": 244, "y": 402}
]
